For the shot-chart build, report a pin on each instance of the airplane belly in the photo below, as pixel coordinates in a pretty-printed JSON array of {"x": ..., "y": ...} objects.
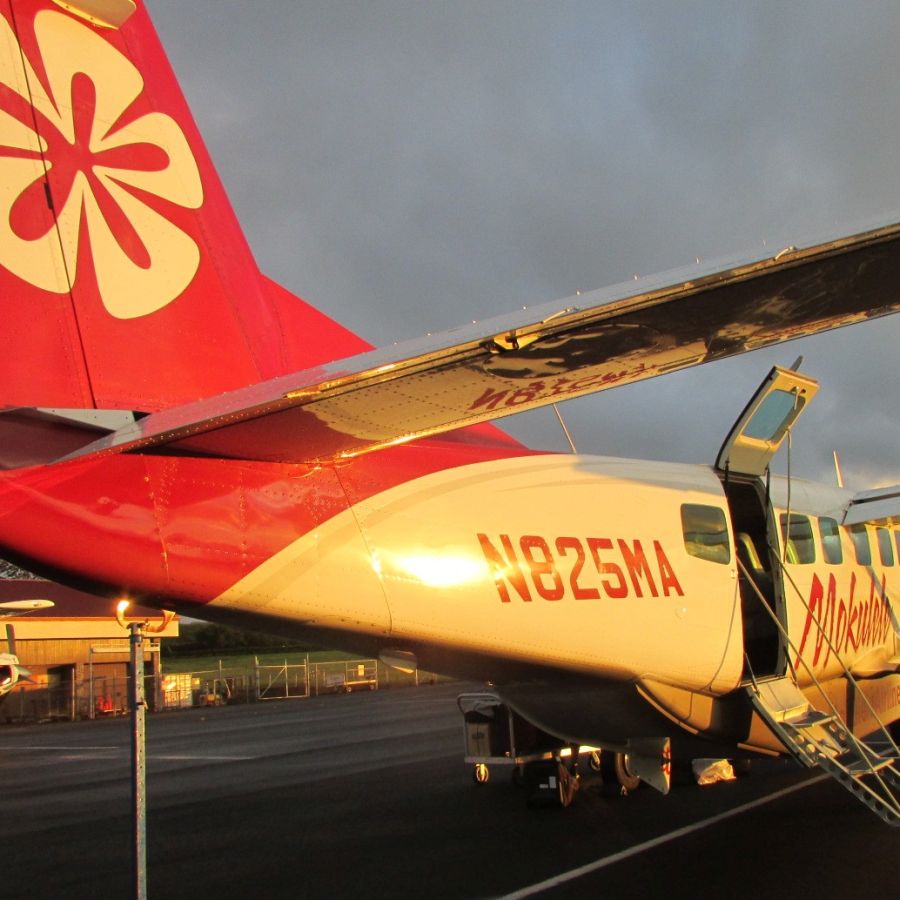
[{"x": 573, "y": 563}]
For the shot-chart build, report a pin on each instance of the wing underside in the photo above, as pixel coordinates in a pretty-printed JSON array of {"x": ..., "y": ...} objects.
[{"x": 485, "y": 371}]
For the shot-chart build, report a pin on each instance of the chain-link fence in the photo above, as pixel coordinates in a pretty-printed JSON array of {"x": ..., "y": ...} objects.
[
  {"x": 86, "y": 698},
  {"x": 95, "y": 696}
]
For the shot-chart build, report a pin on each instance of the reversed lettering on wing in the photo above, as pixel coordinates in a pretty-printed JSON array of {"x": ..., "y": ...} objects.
[{"x": 543, "y": 389}]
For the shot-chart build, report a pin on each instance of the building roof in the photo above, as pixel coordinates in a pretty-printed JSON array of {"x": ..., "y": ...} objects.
[{"x": 74, "y": 614}]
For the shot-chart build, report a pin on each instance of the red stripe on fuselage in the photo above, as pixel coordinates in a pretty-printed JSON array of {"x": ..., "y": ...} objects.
[{"x": 189, "y": 527}]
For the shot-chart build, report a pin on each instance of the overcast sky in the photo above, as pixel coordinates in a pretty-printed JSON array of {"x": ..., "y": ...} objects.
[{"x": 409, "y": 166}]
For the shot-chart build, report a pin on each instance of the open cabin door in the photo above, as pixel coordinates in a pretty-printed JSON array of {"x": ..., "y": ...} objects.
[
  {"x": 765, "y": 422},
  {"x": 745, "y": 456}
]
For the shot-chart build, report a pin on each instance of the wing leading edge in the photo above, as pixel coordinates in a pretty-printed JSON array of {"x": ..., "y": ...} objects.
[{"x": 488, "y": 370}]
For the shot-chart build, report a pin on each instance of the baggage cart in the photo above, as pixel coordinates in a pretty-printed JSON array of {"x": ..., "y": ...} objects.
[{"x": 494, "y": 735}]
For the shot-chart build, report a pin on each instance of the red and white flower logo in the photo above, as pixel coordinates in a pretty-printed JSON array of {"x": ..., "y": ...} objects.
[{"x": 106, "y": 167}]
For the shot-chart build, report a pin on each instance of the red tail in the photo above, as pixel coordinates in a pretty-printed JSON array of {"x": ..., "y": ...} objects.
[{"x": 125, "y": 279}]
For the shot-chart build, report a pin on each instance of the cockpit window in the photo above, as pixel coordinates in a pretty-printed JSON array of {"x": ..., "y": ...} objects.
[
  {"x": 705, "y": 532},
  {"x": 830, "y": 536},
  {"x": 798, "y": 538}
]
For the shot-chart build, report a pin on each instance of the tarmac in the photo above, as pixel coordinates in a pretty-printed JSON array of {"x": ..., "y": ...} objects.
[{"x": 367, "y": 796}]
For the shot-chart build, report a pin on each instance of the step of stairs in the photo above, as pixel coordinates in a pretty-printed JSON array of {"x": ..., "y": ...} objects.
[{"x": 815, "y": 738}]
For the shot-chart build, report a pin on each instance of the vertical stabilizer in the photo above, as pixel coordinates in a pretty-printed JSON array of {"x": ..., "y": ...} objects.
[{"x": 125, "y": 279}]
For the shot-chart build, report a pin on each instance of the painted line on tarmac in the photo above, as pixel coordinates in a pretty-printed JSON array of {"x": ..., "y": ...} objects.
[
  {"x": 605, "y": 861},
  {"x": 181, "y": 757},
  {"x": 88, "y": 751},
  {"x": 71, "y": 749}
]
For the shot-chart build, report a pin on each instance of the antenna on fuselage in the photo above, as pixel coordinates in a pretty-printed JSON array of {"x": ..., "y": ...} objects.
[
  {"x": 563, "y": 425},
  {"x": 837, "y": 469}
]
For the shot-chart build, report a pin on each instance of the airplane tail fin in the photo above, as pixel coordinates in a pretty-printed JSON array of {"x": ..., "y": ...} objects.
[{"x": 125, "y": 279}]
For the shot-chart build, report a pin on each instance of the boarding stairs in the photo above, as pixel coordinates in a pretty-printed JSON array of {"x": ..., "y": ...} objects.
[{"x": 868, "y": 769}]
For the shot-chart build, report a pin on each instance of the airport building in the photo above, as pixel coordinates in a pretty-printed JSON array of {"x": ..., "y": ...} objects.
[{"x": 77, "y": 653}]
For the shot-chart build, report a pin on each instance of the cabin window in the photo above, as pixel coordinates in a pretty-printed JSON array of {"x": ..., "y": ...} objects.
[
  {"x": 798, "y": 539},
  {"x": 860, "y": 538},
  {"x": 705, "y": 532},
  {"x": 885, "y": 549},
  {"x": 831, "y": 541},
  {"x": 897, "y": 542}
]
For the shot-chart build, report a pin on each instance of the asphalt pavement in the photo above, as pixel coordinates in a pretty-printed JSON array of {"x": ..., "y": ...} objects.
[{"x": 367, "y": 796}]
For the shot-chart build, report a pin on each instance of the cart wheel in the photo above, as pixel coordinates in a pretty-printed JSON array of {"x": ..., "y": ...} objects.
[
  {"x": 567, "y": 783},
  {"x": 481, "y": 773},
  {"x": 628, "y": 781}
]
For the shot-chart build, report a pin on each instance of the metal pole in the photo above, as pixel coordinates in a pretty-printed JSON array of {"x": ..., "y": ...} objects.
[
  {"x": 138, "y": 762},
  {"x": 564, "y": 428},
  {"x": 138, "y": 737}
]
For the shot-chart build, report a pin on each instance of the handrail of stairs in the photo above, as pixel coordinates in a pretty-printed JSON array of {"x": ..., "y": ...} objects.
[{"x": 861, "y": 749}]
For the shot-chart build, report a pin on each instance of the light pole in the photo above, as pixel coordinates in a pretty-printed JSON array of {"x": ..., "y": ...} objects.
[{"x": 138, "y": 706}]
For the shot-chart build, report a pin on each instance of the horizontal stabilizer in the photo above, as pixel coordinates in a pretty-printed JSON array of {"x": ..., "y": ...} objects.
[{"x": 588, "y": 343}]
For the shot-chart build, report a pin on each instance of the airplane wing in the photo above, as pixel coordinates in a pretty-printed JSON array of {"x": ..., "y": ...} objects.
[
  {"x": 591, "y": 342},
  {"x": 880, "y": 506}
]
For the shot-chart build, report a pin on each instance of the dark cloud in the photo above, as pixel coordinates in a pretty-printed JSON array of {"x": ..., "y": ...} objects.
[{"x": 407, "y": 166}]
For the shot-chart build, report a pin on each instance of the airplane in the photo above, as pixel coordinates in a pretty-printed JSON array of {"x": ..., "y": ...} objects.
[
  {"x": 180, "y": 429},
  {"x": 11, "y": 671}
]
